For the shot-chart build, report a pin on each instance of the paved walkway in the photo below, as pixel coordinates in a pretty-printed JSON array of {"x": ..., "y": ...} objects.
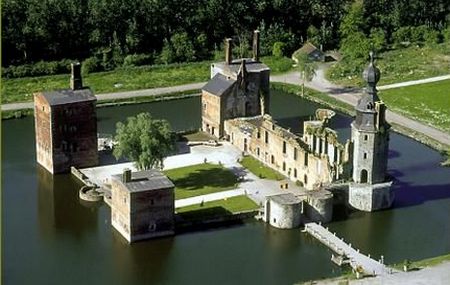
[
  {"x": 357, "y": 259},
  {"x": 435, "y": 275},
  {"x": 256, "y": 188}
]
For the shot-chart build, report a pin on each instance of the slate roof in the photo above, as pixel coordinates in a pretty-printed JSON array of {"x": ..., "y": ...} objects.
[
  {"x": 250, "y": 64},
  {"x": 219, "y": 84},
  {"x": 68, "y": 96},
  {"x": 285, "y": 199},
  {"x": 146, "y": 180}
]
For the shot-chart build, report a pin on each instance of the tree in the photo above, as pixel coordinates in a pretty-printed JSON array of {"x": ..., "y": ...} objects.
[
  {"x": 144, "y": 140},
  {"x": 307, "y": 69}
]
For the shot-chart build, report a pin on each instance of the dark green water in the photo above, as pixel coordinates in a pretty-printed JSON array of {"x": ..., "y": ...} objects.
[{"x": 49, "y": 237}]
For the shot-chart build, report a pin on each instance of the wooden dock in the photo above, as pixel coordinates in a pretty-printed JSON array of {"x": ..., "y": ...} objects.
[{"x": 346, "y": 253}]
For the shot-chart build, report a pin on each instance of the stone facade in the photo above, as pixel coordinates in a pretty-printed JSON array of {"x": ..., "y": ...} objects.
[
  {"x": 370, "y": 137},
  {"x": 66, "y": 127},
  {"x": 142, "y": 205},
  {"x": 312, "y": 159},
  {"x": 238, "y": 88},
  {"x": 283, "y": 211}
]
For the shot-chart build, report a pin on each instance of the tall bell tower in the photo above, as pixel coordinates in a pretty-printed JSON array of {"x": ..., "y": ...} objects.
[{"x": 370, "y": 189}]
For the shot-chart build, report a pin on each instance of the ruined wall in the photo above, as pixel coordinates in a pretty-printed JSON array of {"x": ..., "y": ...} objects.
[
  {"x": 280, "y": 150},
  {"x": 211, "y": 114},
  {"x": 319, "y": 206}
]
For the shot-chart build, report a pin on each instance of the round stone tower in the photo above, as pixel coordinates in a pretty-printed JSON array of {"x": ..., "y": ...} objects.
[{"x": 370, "y": 138}]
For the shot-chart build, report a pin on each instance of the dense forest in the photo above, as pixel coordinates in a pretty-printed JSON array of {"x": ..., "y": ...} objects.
[{"x": 110, "y": 33}]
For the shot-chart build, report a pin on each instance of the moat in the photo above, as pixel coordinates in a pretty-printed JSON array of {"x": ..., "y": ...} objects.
[{"x": 50, "y": 237}]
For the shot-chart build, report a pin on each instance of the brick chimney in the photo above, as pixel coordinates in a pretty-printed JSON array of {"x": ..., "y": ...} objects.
[
  {"x": 256, "y": 45},
  {"x": 228, "y": 50},
  {"x": 126, "y": 175},
  {"x": 75, "y": 77}
]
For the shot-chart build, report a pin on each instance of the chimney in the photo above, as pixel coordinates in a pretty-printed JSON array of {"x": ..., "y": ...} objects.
[
  {"x": 126, "y": 175},
  {"x": 75, "y": 77},
  {"x": 256, "y": 45},
  {"x": 228, "y": 50}
]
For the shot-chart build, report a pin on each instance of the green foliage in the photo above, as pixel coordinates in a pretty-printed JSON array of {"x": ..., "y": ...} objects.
[
  {"x": 313, "y": 35},
  {"x": 377, "y": 39},
  {"x": 144, "y": 140},
  {"x": 306, "y": 67},
  {"x": 273, "y": 33},
  {"x": 353, "y": 21},
  {"x": 277, "y": 64},
  {"x": 138, "y": 60},
  {"x": 355, "y": 46},
  {"x": 37, "y": 69},
  {"x": 278, "y": 49},
  {"x": 91, "y": 64},
  {"x": 201, "y": 179}
]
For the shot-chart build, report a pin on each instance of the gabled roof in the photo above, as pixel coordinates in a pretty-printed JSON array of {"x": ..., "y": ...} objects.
[
  {"x": 219, "y": 84},
  {"x": 67, "y": 96}
]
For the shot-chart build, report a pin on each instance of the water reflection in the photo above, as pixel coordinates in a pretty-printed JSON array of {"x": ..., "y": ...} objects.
[{"x": 60, "y": 211}]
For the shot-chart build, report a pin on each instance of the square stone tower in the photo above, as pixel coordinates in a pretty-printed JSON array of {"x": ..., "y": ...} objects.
[
  {"x": 143, "y": 205},
  {"x": 370, "y": 189},
  {"x": 66, "y": 126}
]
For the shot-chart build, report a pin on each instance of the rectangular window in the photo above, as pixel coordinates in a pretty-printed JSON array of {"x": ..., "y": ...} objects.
[
  {"x": 284, "y": 147},
  {"x": 365, "y": 155},
  {"x": 266, "y": 137},
  {"x": 258, "y": 135},
  {"x": 295, "y": 153},
  {"x": 306, "y": 159}
]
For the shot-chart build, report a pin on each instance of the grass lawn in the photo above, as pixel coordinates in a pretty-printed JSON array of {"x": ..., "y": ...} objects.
[
  {"x": 201, "y": 179},
  {"x": 230, "y": 205},
  {"x": 259, "y": 169},
  {"x": 135, "y": 78},
  {"x": 21, "y": 89},
  {"x": 424, "y": 262},
  {"x": 429, "y": 103},
  {"x": 397, "y": 65}
]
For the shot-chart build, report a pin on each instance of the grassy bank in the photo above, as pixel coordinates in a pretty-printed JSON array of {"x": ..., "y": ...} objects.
[
  {"x": 398, "y": 65},
  {"x": 259, "y": 169},
  {"x": 21, "y": 89},
  {"x": 433, "y": 261},
  {"x": 123, "y": 79},
  {"x": 201, "y": 179},
  {"x": 428, "y": 103}
]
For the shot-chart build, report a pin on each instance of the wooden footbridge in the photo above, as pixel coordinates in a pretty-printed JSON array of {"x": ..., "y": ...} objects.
[{"x": 346, "y": 253}]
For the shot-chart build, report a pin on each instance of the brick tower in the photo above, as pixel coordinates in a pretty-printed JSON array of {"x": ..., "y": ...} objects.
[{"x": 66, "y": 126}]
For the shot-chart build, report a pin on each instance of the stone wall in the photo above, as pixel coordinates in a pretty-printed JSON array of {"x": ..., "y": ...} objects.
[
  {"x": 42, "y": 123},
  {"x": 371, "y": 197}
]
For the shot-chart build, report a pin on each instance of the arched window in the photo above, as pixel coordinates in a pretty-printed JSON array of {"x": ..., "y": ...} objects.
[{"x": 363, "y": 176}]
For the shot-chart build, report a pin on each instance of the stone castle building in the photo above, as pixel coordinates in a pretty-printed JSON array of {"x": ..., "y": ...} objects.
[
  {"x": 142, "y": 204},
  {"x": 238, "y": 88},
  {"x": 66, "y": 126},
  {"x": 235, "y": 107},
  {"x": 370, "y": 189}
]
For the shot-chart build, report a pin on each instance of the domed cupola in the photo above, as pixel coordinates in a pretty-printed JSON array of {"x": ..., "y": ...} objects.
[{"x": 371, "y": 75}]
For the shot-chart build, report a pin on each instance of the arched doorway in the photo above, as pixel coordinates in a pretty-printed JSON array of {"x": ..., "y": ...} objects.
[{"x": 363, "y": 178}]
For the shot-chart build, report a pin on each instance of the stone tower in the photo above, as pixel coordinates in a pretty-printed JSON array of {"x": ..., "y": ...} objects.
[{"x": 370, "y": 190}]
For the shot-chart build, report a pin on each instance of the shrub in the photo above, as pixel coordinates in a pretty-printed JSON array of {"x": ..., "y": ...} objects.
[
  {"x": 138, "y": 59},
  {"x": 37, "y": 69},
  {"x": 91, "y": 64},
  {"x": 278, "y": 49}
]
